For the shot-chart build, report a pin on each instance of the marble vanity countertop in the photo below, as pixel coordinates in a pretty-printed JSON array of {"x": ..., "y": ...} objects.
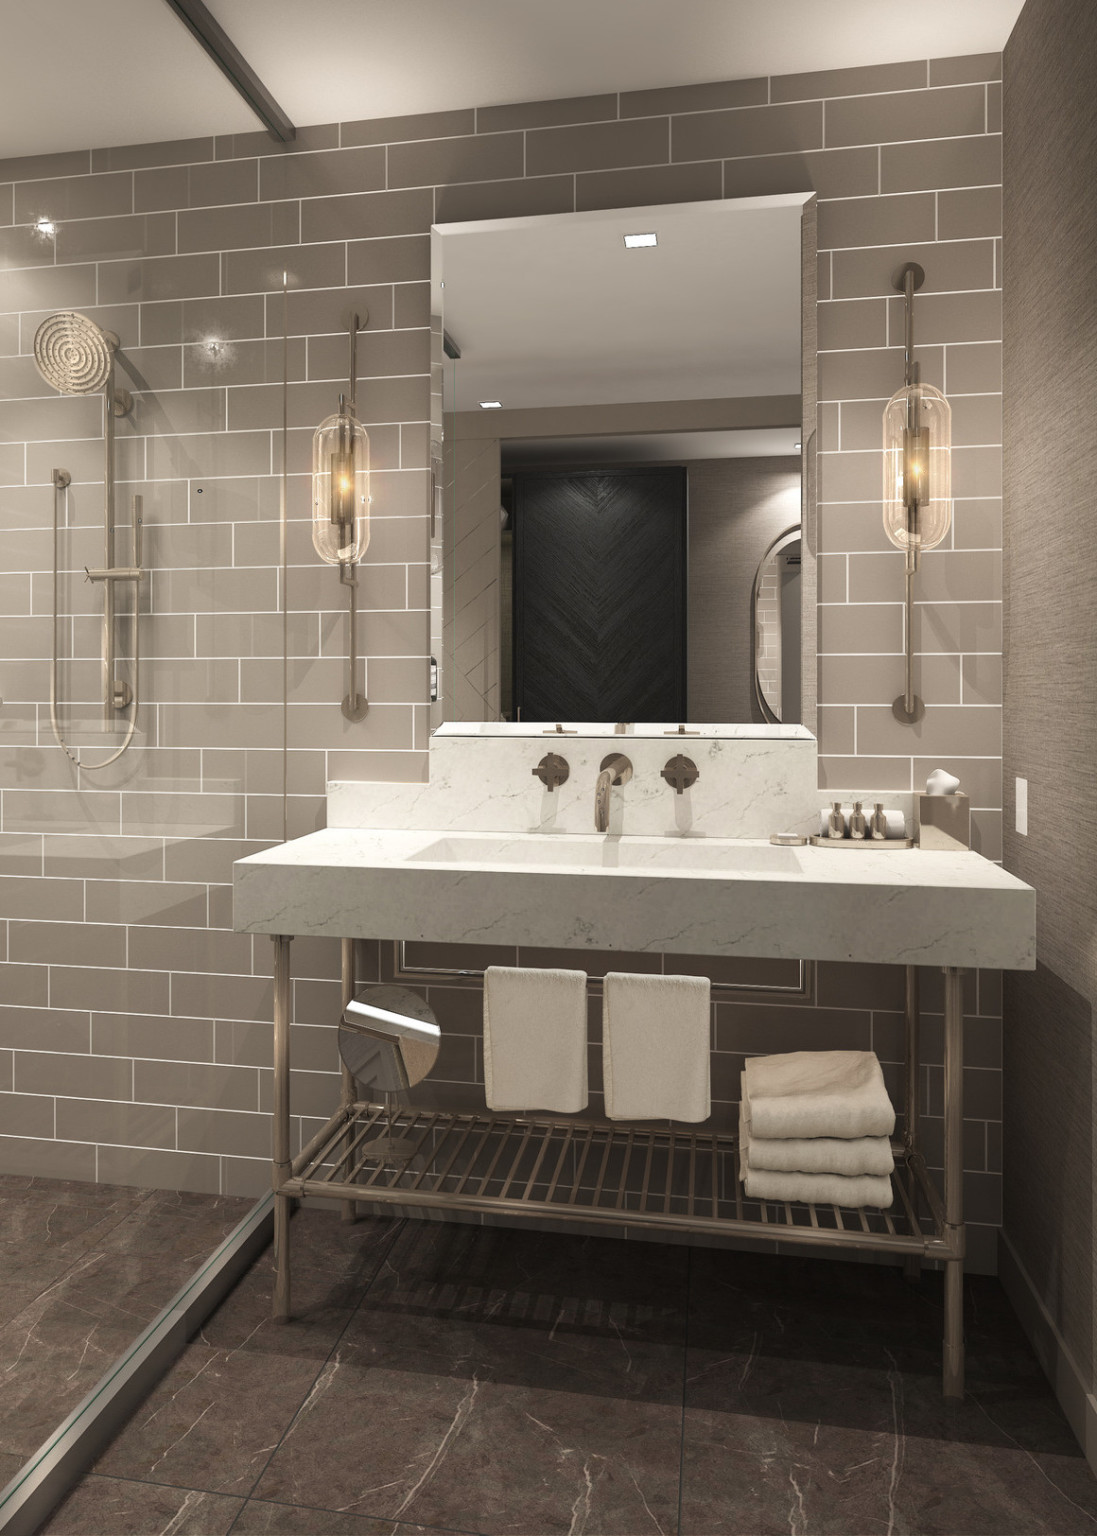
[{"x": 697, "y": 896}]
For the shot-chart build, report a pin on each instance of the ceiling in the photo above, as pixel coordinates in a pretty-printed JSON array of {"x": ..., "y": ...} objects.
[
  {"x": 649, "y": 447},
  {"x": 555, "y": 311},
  {"x": 76, "y": 74}
]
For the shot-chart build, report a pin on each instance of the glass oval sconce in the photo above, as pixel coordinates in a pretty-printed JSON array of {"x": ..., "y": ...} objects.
[
  {"x": 917, "y": 468},
  {"x": 340, "y": 487},
  {"x": 917, "y": 477}
]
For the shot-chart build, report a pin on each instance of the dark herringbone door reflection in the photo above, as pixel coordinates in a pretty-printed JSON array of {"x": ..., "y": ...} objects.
[{"x": 599, "y": 595}]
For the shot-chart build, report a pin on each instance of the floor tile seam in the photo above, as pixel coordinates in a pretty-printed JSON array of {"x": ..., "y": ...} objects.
[
  {"x": 152, "y": 1482},
  {"x": 413, "y": 1525},
  {"x": 323, "y": 1367}
]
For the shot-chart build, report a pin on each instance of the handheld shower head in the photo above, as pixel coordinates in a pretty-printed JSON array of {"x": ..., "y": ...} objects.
[{"x": 73, "y": 354}]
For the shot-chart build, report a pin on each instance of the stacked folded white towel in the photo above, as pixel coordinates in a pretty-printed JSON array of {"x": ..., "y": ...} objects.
[{"x": 814, "y": 1126}]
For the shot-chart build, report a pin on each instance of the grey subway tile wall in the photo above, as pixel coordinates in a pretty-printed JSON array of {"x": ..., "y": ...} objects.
[{"x": 134, "y": 1025}]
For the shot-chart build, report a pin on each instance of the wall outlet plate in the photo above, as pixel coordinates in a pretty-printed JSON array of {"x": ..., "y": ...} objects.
[{"x": 1021, "y": 802}]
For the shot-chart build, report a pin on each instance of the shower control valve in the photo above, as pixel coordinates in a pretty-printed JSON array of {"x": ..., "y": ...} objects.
[{"x": 552, "y": 770}]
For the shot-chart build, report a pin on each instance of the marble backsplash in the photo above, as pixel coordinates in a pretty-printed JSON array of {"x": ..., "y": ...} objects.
[{"x": 747, "y": 786}]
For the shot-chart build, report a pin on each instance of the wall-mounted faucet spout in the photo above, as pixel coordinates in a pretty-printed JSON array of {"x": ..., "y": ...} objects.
[{"x": 616, "y": 769}]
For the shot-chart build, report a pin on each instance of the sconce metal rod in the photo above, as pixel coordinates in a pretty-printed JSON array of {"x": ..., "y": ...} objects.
[
  {"x": 908, "y": 293},
  {"x": 352, "y": 371},
  {"x": 909, "y": 707},
  {"x": 355, "y": 705},
  {"x": 909, "y": 699}
]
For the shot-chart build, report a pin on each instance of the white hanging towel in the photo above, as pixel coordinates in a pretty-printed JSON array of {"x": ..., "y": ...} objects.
[
  {"x": 535, "y": 1039},
  {"x": 817, "y": 1093},
  {"x": 655, "y": 1047}
]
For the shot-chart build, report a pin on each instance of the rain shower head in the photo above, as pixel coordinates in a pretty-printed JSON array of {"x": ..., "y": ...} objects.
[{"x": 73, "y": 354}]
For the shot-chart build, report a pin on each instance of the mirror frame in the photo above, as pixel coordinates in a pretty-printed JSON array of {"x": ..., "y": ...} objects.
[{"x": 809, "y": 290}]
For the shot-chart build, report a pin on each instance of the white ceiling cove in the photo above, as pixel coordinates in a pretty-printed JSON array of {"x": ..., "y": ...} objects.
[{"x": 88, "y": 73}]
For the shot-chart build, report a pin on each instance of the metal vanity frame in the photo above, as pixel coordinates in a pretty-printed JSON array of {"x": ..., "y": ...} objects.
[{"x": 672, "y": 1181}]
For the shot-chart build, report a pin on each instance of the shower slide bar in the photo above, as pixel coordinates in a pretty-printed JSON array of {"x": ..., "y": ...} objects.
[
  {"x": 117, "y": 695},
  {"x": 642, "y": 1181}
]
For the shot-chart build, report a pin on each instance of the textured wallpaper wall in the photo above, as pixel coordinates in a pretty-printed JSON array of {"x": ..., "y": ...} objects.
[
  {"x": 1050, "y": 361},
  {"x": 134, "y": 1027}
]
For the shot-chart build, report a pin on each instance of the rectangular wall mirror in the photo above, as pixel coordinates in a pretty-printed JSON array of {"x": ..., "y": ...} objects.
[{"x": 623, "y": 420}]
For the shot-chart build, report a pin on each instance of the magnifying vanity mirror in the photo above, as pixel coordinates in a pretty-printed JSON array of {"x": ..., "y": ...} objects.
[{"x": 622, "y": 403}]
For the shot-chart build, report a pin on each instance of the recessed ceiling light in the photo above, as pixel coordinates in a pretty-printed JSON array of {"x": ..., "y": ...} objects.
[
  {"x": 637, "y": 242},
  {"x": 491, "y": 405}
]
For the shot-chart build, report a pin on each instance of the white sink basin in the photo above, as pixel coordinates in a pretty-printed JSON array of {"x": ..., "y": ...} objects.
[{"x": 598, "y": 852}]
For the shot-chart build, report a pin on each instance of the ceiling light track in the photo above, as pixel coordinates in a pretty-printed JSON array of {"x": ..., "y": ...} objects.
[{"x": 233, "y": 65}]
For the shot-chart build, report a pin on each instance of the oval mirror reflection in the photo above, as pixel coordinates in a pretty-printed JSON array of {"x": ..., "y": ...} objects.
[{"x": 775, "y": 616}]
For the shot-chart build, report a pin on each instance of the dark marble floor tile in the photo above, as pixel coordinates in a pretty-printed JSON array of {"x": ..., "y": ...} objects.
[
  {"x": 178, "y": 1223},
  {"x": 213, "y": 1420},
  {"x": 47, "y": 1225},
  {"x": 813, "y": 1403},
  {"x": 263, "y": 1519},
  {"x": 53, "y": 1352},
  {"x": 223, "y": 1406},
  {"x": 115, "y": 1275},
  {"x": 107, "y": 1506},
  {"x": 500, "y": 1382},
  {"x": 332, "y": 1265},
  {"x": 10, "y": 1463}
]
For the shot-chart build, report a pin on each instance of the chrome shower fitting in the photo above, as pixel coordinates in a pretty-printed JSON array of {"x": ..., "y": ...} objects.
[{"x": 76, "y": 357}]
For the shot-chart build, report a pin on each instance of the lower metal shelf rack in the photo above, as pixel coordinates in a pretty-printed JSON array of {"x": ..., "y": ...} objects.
[
  {"x": 630, "y": 1180},
  {"x": 528, "y": 1167}
]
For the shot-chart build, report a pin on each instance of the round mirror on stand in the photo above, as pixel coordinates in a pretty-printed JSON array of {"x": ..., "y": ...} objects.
[
  {"x": 775, "y": 631},
  {"x": 389, "y": 1040}
]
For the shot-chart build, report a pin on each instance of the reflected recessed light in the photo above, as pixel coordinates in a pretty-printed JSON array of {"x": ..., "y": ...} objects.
[
  {"x": 796, "y": 446},
  {"x": 491, "y": 405},
  {"x": 46, "y": 227},
  {"x": 636, "y": 242}
]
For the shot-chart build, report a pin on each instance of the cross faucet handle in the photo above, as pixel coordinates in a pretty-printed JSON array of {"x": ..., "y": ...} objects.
[
  {"x": 680, "y": 773},
  {"x": 552, "y": 770}
]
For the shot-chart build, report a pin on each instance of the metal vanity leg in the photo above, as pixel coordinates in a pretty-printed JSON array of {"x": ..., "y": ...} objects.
[
  {"x": 954, "y": 1185},
  {"x": 912, "y": 1265},
  {"x": 348, "y": 1210},
  {"x": 283, "y": 1204}
]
